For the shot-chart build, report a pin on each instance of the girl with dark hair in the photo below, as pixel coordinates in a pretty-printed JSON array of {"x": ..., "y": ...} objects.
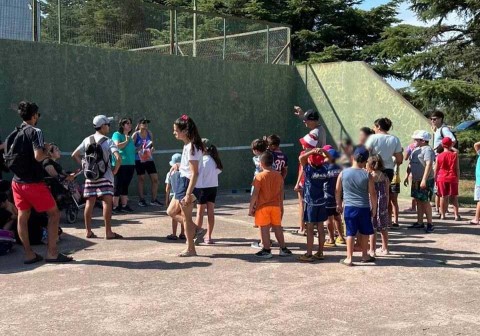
[
  {"x": 126, "y": 147},
  {"x": 211, "y": 167},
  {"x": 390, "y": 150},
  {"x": 365, "y": 132},
  {"x": 143, "y": 140},
  {"x": 181, "y": 207}
]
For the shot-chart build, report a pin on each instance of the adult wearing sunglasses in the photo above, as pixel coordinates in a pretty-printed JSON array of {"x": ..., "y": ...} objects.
[
  {"x": 143, "y": 140},
  {"x": 126, "y": 147},
  {"x": 441, "y": 131}
]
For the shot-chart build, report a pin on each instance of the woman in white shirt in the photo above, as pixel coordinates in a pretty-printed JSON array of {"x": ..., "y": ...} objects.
[
  {"x": 181, "y": 206},
  {"x": 208, "y": 185}
]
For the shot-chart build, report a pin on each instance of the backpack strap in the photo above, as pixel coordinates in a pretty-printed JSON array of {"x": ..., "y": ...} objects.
[{"x": 91, "y": 140}]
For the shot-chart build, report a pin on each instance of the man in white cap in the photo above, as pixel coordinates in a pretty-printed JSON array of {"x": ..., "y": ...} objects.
[
  {"x": 421, "y": 165},
  {"x": 98, "y": 173}
]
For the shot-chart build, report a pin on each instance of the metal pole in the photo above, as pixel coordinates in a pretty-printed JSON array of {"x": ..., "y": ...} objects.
[
  {"x": 289, "y": 40},
  {"x": 35, "y": 21},
  {"x": 224, "y": 37},
  {"x": 268, "y": 45},
  {"x": 172, "y": 34},
  {"x": 176, "y": 33},
  {"x": 194, "y": 49},
  {"x": 59, "y": 9}
]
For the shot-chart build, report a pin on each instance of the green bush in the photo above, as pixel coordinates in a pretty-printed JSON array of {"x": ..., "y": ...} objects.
[{"x": 466, "y": 140}]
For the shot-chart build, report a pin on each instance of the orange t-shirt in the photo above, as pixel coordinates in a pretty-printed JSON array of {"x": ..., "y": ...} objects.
[{"x": 270, "y": 186}]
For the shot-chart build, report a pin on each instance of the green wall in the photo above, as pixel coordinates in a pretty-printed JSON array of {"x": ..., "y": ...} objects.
[
  {"x": 351, "y": 95},
  {"x": 231, "y": 102}
]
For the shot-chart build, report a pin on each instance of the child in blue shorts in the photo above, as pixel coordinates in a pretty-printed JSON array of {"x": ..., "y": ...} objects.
[
  {"x": 315, "y": 213},
  {"x": 358, "y": 190}
]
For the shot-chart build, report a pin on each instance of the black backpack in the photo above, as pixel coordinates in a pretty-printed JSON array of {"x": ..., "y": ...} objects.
[
  {"x": 94, "y": 164},
  {"x": 16, "y": 160},
  {"x": 440, "y": 148}
]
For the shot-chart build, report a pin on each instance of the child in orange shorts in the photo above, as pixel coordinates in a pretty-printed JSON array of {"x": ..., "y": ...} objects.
[{"x": 266, "y": 205}]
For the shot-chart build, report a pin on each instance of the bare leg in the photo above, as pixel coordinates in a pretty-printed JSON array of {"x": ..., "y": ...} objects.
[
  {"x": 123, "y": 200},
  {"x": 279, "y": 235},
  {"x": 373, "y": 243},
  {"x": 384, "y": 235},
  {"x": 310, "y": 238},
  {"x": 427, "y": 208},
  {"x": 175, "y": 211},
  {"x": 107, "y": 215},
  {"x": 420, "y": 212},
  {"x": 190, "y": 226},
  {"x": 53, "y": 220},
  {"x": 200, "y": 212},
  {"x": 140, "y": 185},
  {"x": 211, "y": 219},
  {"x": 321, "y": 236},
  {"x": 364, "y": 244},
  {"x": 437, "y": 202},
  {"x": 154, "y": 180},
  {"x": 22, "y": 227},
  {"x": 454, "y": 200},
  {"x": 115, "y": 201},
  {"x": 338, "y": 225},
  {"x": 87, "y": 214},
  {"x": 331, "y": 229},
  {"x": 350, "y": 242},
  {"x": 301, "y": 223},
  {"x": 265, "y": 235},
  {"x": 394, "y": 202}
]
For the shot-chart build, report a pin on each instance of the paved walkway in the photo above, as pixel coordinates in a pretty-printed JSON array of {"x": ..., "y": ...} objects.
[{"x": 137, "y": 286}]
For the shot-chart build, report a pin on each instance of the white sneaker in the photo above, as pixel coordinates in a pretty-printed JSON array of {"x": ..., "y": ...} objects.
[{"x": 383, "y": 252}]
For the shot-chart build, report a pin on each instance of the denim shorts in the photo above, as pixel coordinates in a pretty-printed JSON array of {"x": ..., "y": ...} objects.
[{"x": 180, "y": 188}]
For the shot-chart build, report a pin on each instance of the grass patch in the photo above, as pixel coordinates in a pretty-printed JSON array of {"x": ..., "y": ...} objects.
[{"x": 467, "y": 181}]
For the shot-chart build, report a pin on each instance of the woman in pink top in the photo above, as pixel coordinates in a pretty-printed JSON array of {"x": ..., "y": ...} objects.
[{"x": 447, "y": 171}]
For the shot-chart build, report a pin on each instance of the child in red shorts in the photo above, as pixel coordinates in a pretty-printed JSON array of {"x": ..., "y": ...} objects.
[
  {"x": 447, "y": 171},
  {"x": 267, "y": 206}
]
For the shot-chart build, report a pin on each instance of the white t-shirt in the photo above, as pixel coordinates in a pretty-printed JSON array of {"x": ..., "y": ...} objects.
[
  {"x": 186, "y": 158},
  {"x": 209, "y": 173},
  {"x": 385, "y": 145},
  {"x": 108, "y": 147}
]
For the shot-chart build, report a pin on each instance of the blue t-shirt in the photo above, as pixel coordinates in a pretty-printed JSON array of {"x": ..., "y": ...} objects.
[
  {"x": 140, "y": 142},
  {"x": 314, "y": 187},
  {"x": 331, "y": 184},
  {"x": 280, "y": 161},
  {"x": 355, "y": 188}
]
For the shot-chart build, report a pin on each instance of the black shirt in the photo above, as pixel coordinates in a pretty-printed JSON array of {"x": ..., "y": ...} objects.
[{"x": 31, "y": 139}]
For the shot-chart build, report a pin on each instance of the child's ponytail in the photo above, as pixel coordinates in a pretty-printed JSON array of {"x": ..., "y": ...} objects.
[{"x": 186, "y": 123}]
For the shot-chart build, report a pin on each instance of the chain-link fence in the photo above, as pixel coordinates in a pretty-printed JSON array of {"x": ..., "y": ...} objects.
[{"x": 145, "y": 27}]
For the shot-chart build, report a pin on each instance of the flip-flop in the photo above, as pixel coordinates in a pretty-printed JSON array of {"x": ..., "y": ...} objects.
[
  {"x": 350, "y": 264},
  {"x": 182, "y": 237},
  {"x": 297, "y": 233},
  {"x": 115, "y": 236},
  {"x": 369, "y": 260},
  {"x": 61, "y": 258},
  {"x": 91, "y": 235},
  {"x": 172, "y": 237},
  {"x": 34, "y": 260}
]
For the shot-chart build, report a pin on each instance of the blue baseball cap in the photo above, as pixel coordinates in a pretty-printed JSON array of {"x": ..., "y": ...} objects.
[
  {"x": 176, "y": 158},
  {"x": 361, "y": 154},
  {"x": 333, "y": 153}
]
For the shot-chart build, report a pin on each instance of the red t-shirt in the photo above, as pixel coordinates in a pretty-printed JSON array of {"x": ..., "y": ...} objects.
[{"x": 447, "y": 167}]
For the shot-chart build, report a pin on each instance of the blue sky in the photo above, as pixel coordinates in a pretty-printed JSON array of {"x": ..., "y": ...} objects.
[{"x": 404, "y": 14}]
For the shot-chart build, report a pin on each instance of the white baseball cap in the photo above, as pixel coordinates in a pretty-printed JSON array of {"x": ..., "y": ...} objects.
[
  {"x": 101, "y": 120},
  {"x": 422, "y": 135}
]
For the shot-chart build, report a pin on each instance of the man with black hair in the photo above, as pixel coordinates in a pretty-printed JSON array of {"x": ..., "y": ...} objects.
[
  {"x": 25, "y": 150},
  {"x": 441, "y": 130}
]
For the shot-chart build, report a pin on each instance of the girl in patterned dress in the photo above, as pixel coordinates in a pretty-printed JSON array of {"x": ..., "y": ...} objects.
[{"x": 381, "y": 222}]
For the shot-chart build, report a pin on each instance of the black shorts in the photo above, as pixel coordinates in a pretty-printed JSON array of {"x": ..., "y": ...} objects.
[
  {"x": 332, "y": 212},
  {"x": 389, "y": 173},
  {"x": 122, "y": 180},
  {"x": 147, "y": 166},
  {"x": 207, "y": 195}
]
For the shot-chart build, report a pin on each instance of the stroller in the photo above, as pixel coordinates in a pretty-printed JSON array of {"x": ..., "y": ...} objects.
[{"x": 65, "y": 198}]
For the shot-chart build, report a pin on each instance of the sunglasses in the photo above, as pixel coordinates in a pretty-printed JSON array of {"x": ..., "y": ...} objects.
[
  {"x": 433, "y": 119},
  {"x": 127, "y": 123}
]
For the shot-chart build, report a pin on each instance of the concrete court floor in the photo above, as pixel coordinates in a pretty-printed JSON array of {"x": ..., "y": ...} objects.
[{"x": 138, "y": 286}]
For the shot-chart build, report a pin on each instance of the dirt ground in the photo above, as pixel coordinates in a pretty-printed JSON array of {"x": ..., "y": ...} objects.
[{"x": 138, "y": 286}]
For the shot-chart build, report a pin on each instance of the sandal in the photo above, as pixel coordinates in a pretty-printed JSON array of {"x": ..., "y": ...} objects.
[
  {"x": 182, "y": 237},
  {"x": 115, "y": 236},
  {"x": 299, "y": 233},
  {"x": 172, "y": 237},
  {"x": 208, "y": 241},
  {"x": 37, "y": 258},
  {"x": 344, "y": 263},
  {"x": 61, "y": 258},
  {"x": 91, "y": 235},
  {"x": 185, "y": 254}
]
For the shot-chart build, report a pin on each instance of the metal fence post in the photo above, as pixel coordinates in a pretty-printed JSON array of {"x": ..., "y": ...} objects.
[
  {"x": 267, "y": 60},
  {"x": 224, "y": 37},
  {"x": 172, "y": 35},
  {"x": 59, "y": 14},
  {"x": 35, "y": 20},
  {"x": 176, "y": 33},
  {"x": 194, "y": 47},
  {"x": 289, "y": 41}
]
